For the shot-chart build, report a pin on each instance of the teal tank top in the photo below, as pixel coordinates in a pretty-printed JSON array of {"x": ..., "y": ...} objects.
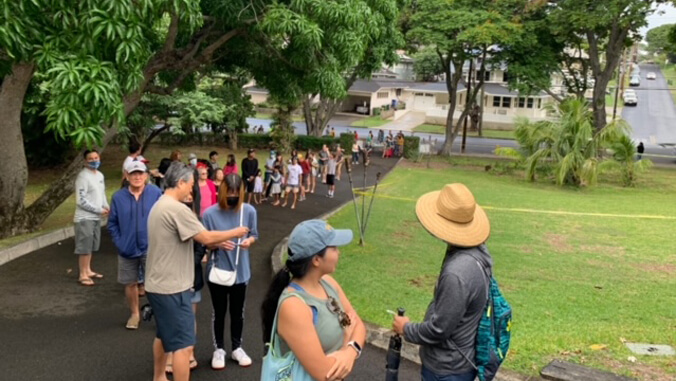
[{"x": 326, "y": 323}]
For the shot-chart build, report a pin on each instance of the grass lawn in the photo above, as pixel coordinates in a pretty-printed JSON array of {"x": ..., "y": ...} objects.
[
  {"x": 437, "y": 129},
  {"x": 669, "y": 72},
  {"x": 573, "y": 280},
  {"x": 111, "y": 166},
  {"x": 371, "y": 121}
]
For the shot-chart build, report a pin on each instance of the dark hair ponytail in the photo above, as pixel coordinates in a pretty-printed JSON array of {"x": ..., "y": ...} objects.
[{"x": 292, "y": 270}]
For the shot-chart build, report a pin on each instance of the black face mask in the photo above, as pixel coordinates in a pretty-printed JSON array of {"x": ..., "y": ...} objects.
[{"x": 233, "y": 201}]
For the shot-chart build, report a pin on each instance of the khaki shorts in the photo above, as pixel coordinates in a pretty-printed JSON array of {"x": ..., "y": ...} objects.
[{"x": 87, "y": 236}]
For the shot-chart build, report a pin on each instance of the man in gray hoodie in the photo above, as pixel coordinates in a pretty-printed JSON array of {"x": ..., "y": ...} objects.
[
  {"x": 447, "y": 335},
  {"x": 90, "y": 207}
]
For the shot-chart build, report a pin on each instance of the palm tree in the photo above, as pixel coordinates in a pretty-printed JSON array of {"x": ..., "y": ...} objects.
[
  {"x": 568, "y": 147},
  {"x": 624, "y": 157}
]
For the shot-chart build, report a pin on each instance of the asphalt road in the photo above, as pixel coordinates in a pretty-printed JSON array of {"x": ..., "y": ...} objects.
[
  {"x": 653, "y": 119},
  {"x": 53, "y": 329}
]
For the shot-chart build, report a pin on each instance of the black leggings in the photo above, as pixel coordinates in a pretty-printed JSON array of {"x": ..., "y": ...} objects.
[{"x": 219, "y": 301}]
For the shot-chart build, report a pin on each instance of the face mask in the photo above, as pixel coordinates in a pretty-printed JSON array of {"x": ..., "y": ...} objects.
[
  {"x": 94, "y": 164},
  {"x": 233, "y": 201},
  {"x": 193, "y": 162}
]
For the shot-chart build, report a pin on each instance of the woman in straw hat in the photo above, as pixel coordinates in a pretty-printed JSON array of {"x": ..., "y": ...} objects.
[{"x": 447, "y": 334}]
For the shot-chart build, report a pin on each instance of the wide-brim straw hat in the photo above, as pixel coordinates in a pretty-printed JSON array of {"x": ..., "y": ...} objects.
[{"x": 453, "y": 216}]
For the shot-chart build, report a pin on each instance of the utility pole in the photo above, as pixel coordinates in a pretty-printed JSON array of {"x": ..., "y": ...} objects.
[
  {"x": 467, "y": 104},
  {"x": 620, "y": 85}
]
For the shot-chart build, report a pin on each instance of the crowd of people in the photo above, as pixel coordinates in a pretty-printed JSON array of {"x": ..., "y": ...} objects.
[{"x": 198, "y": 211}]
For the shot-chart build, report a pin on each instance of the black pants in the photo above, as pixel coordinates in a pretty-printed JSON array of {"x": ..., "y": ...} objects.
[{"x": 219, "y": 300}]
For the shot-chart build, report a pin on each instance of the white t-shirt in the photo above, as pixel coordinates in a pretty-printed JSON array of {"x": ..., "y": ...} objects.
[
  {"x": 129, "y": 159},
  {"x": 294, "y": 174}
]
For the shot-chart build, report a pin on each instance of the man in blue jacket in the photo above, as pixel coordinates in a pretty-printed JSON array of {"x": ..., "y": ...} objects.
[{"x": 128, "y": 225}]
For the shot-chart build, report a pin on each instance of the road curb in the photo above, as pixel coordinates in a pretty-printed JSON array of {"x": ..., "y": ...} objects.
[{"x": 36, "y": 243}]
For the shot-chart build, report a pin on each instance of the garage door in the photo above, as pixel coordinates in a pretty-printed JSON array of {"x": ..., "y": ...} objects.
[{"x": 424, "y": 101}]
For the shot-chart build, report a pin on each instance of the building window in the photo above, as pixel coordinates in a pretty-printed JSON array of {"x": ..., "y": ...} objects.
[
  {"x": 505, "y": 76},
  {"x": 506, "y": 102},
  {"x": 419, "y": 94},
  {"x": 383, "y": 95},
  {"x": 429, "y": 95},
  {"x": 539, "y": 102},
  {"x": 530, "y": 102},
  {"x": 496, "y": 101},
  {"x": 398, "y": 92},
  {"x": 522, "y": 102}
]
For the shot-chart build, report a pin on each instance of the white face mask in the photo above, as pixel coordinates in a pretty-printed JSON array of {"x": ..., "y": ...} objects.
[{"x": 193, "y": 162}]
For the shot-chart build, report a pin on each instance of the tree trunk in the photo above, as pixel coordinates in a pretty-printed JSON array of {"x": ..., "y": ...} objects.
[
  {"x": 452, "y": 88},
  {"x": 232, "y": 138},
  {"x": 13, "y": 167},
  {"x": 326, "y": 109},
  {"x": 156, "y": 132}
]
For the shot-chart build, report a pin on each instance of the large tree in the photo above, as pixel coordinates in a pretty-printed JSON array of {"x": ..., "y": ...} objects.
[
  {"x": 462, "y": 30},
  {"x": 97, "y": 59}
]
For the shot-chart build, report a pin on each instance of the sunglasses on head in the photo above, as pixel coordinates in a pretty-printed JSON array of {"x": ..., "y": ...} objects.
[{"x": 334, "y": 307}]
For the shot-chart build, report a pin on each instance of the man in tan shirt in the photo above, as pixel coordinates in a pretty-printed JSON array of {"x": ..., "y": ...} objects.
[{"x": 170, "y": 270}]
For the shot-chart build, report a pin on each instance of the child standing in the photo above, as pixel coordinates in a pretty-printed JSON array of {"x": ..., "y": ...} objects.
[
  {"x": 276, "y": 184},
  {"x": 258, "y": 188},
  {"x": 331, "y": 173}
]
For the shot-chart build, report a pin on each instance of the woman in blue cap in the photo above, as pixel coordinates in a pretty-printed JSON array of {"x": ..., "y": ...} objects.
[{"x": 314, "y": 318}]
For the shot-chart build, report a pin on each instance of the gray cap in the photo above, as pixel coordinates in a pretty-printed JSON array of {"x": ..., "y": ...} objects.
[
  {"x": 312, "y": 236},
  {"x": 135, "y": 166},
  {"x": 192, "y": 156}
]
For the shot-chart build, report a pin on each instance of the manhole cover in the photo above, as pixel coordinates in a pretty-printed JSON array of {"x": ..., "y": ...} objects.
[{"x": 651, "y": 349}]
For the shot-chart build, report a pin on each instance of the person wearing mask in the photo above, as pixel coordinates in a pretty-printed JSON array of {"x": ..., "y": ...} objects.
[
  {"x": 170, "y": 275},
  {"x": 128, "y": 227},
  {"x": 231, "y": 165},
  {"x": 249, "y": 170},
  {"x": 208, "y": 193},
  {"x": 306, "y": 310},
  {"x": 447, "y": 335},
  {"x": 213, "y": 160},
  {"x": 192, "y": 160},
  {"x": 230, "y": 212},
  {"x": 90, "y": 207}
]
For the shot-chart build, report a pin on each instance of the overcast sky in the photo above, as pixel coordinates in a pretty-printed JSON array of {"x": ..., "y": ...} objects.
[{"x": 666, "y": 14}]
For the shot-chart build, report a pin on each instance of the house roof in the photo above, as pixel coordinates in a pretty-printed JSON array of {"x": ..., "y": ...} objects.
[
  {"x": 375, "y": 84},
  {"x": 499, "y": 89},
  {"x": 434, "y": 87},
  {"x": 255, "y": 89}
]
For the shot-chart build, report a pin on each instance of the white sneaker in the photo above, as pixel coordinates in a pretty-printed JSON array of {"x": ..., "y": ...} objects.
[
  {"x": 241, "y": 357},
  {"x": 218, "y": 359}
]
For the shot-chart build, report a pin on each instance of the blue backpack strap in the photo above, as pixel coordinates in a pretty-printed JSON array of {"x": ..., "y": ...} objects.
[{"x": 315, "y": 313}]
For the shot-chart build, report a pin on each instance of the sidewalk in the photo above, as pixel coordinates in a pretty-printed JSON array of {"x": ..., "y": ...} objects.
[{"x": 53, "y": 329}]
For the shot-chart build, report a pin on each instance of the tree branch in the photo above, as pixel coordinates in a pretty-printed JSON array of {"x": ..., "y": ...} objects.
[{"x": 170, "y": 43}]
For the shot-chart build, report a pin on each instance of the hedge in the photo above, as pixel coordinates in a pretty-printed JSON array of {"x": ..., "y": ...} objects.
[
  {"x": 304, "y": 142},
  {"x": 346, "y": 141},
  {"x": 411, "y": 146},
  {"x": 257, "y": 141}
]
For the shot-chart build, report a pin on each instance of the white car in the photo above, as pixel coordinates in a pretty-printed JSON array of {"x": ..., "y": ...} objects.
[
  {"x": 630, "y": 99},
  {"x": 651, "y": 75},
  {"x": 635, "y": 80}
]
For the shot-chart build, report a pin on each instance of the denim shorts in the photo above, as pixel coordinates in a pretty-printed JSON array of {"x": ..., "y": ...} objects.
[{"x": 174, "y": 319}]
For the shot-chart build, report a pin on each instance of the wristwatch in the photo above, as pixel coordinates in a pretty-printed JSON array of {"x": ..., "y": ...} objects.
[{"x": 355, "y": 345}]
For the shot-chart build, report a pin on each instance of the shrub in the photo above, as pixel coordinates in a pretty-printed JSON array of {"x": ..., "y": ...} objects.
[
  {"x": 257, "y": 141},
  {"x": 411, "y": 146},
  {"x": 313, "y": 142},
  {"x": 346, "y": 140}
]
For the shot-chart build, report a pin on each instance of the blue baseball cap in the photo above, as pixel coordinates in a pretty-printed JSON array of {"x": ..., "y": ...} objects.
[{"x": 312, "y": 236}]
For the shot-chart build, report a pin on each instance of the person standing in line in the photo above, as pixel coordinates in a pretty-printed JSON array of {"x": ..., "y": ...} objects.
[
  {"x": 128, "y": 226},
  {"x": 331, "y": 173},
  {"x": 218, "y": 178},
  {"x": 307, "y": 311},
  {"x": 333, "y": 132},
  {"x": 400, "y": 144},
  {"x": 208, "y": 192},
  {"x": 249, "y": 169},
  {"x": 307, "y": 171},
  {"x": 192, "y": 160},
  {"x": 230, "y": 165},
  {"x": 355, "y": 152},
  {"x": 447, "y": 335},
  {"x": 340, "y": 159},
  {"x": 134, "y": 155},
  {"x": 175, "y": 156},
  {"x": 269, "y": 168},
  {"x": 312, "y": 182},
  {"x": 293, "y": 182},
  {"x": 90, "y": 207},
  {"x": 231, "y": 212},
  {"x": 213, "y": 161},
  {"x": 323, "y": 160},
  {"x": 170, "y": 275},
  {"x": 276, "y": 185},
  {"x": 258, "y": 188},
  {"x": 640, "y": 149}
]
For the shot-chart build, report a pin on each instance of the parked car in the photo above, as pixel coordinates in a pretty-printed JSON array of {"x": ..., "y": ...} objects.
[
  {"x": 635, "y": 81},
  {"x": 651, "y": 75},
  {"x": 630, "y": 99}
]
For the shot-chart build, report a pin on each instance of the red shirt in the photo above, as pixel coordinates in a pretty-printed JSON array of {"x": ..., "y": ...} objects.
[{"x": 307, "y": 167}]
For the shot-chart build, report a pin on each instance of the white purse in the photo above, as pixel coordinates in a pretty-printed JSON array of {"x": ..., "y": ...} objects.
[{"x": 225, "y": 277}]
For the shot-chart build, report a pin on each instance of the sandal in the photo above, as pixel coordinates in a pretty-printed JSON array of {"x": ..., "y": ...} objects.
[
  {"x": 96, "y": 275},
  {"x": 193, "y": 364},
  {"x": 87, "y": 282},
  {"x": 133, "y": 322}
]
